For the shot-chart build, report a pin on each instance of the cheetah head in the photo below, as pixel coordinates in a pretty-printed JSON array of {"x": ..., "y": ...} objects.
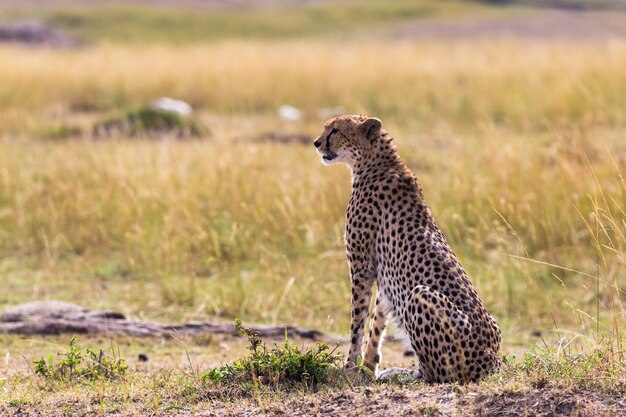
[{"x": 347, "y": 138}]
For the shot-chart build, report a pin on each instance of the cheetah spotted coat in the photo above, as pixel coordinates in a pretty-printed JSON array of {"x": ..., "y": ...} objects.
[{"x": 393, "y": 241}]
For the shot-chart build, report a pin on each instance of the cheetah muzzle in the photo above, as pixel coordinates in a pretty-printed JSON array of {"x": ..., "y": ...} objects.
[
  {"x": 329, "y": 156},
  {"x": 393, "y": 241}
]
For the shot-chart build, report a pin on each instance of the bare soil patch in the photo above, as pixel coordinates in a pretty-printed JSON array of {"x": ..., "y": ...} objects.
[{"x": 549, "y": 402}]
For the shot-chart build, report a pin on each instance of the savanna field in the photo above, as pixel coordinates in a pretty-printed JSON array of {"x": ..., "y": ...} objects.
[{"x": 518, "y": 142}]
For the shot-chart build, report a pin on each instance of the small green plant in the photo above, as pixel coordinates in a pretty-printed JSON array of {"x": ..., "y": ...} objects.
[
  {"x": 282, "y": 366},
  {"x": 75, "y": 365}
]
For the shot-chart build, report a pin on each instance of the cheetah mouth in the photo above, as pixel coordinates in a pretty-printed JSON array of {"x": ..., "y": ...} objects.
[{"x": 329, "y": 156}]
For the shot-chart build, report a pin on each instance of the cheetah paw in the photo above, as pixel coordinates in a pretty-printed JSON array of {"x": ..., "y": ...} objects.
[{"x": 393, "y": 373}]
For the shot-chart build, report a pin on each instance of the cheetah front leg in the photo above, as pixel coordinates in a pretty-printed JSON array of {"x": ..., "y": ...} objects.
[
  {"x": 371, "y": 353},
  {"x": 361, "y": 297}
]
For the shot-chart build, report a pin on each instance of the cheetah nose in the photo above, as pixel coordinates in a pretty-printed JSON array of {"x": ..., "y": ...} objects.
[{"x": 317, "y": 143}]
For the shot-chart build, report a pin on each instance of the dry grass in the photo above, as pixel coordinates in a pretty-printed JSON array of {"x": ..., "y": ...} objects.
[
  {"x": 518, "y": 147},
  {"x": 207, "y": 227},
  {"x": 518, "y": 85}
]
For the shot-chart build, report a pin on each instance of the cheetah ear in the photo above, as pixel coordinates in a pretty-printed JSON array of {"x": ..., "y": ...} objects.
[{"x": 371, "y": 128}]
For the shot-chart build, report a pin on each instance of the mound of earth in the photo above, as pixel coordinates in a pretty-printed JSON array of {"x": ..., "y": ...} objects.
[{"x": 151, "y": 122}]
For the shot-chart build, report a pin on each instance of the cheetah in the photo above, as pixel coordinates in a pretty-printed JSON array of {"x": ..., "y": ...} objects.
[{"x": 393, "y": 241}]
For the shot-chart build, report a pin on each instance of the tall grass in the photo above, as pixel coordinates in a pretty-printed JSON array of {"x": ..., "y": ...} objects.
[
  {"x": 255, "y": 230},
  {"x": 518, "y": 147},
  {"x": 523, "y": 86}
]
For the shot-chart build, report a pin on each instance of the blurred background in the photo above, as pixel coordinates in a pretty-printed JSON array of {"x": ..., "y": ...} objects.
[{"x": 156, "y": 157}]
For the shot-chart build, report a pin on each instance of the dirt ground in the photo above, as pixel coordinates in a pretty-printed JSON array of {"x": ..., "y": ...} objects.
[
  {"x": 441, "y": 400},
  {"x": 503, "y": 396}
]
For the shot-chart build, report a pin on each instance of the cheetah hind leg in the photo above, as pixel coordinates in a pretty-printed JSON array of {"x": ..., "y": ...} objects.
[{"x": 439, "y": 333}]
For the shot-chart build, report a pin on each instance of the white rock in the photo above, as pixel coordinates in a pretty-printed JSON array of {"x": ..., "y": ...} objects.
[
  {"x": 170, "y": 104},
  {"x": 289, "y": 113}
]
